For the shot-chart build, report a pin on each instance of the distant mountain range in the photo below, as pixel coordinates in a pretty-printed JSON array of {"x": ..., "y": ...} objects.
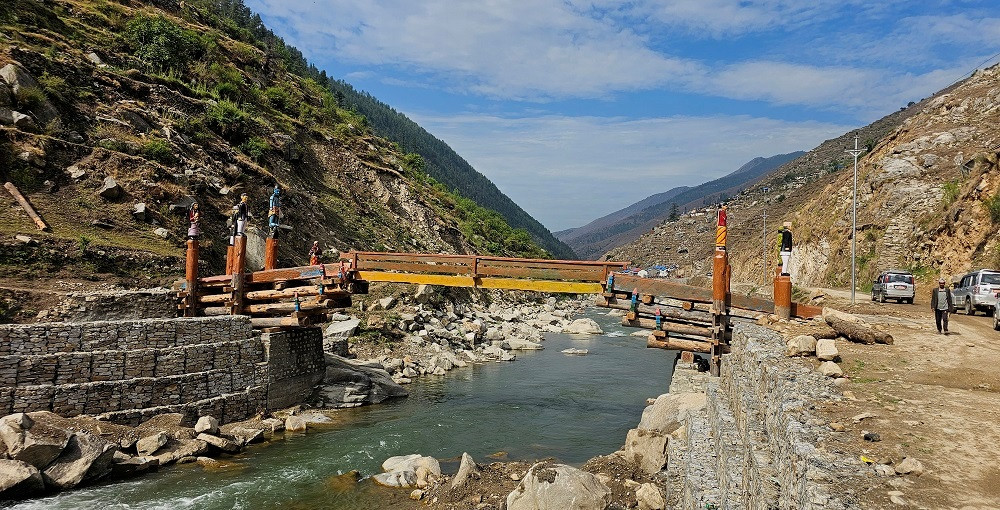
[{"x": 594, "y": 239}]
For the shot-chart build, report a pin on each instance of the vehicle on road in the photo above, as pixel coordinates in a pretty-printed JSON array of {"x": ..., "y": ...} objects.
[
  {"x": 894, "y": 284},
  {"x": 977, "y": 290}
]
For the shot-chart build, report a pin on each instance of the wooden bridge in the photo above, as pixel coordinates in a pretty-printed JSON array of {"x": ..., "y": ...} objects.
[{"x": 682, "y": 317}]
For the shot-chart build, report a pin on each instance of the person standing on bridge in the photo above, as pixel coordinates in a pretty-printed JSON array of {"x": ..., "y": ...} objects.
[
  {"x": 785, "y": 247},
  {"x": 314, "y": 254},
  {"x": 941, "y": 303}
]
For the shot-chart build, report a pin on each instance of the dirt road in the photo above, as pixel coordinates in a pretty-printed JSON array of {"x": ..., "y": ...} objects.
[{"x": 935, "y": 398}]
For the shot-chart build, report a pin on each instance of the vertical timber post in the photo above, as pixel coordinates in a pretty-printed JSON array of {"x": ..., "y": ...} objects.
[
  {"x": 782, "y": 295},
  {"x": 191, "y": 275},
  {"x": 271, "y": 253},
  {"x": 229, "y": 258},
  {"x": 720, "y": 294},
  {"x": 239, "y": 267}
]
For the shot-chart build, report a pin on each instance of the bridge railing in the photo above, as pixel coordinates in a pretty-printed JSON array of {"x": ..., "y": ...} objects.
[{"x": 483, "y": 266}]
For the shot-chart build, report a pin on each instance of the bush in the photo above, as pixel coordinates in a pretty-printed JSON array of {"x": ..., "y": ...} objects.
[
  {"x": 255, "y": 147},
  {"x": 55, "y": 86},
  {"x": 278, "y": 98},
  {"x": 158, "y": 149},
  {"x": 950, "y": 192},
  {"x": 229, "y": 120},
  {"x": 160, "y": 44},
  {"x": 30, "y": 97},
  {"x": 993, "y": 207}
]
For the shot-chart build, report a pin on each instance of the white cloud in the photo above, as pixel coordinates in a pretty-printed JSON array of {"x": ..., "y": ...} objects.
[{"x": 566, "y": 171}]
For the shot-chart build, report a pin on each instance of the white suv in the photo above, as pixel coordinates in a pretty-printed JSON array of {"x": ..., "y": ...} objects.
[
  {"x": 896, "y": 285},
  {"x": 977, "y": 290}
]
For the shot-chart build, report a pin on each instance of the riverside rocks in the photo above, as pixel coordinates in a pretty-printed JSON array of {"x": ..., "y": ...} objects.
[
  {"x": 551, "y": 486},
  {"x": 351, "y": 384},
  {"x": 408, "y": 471}
]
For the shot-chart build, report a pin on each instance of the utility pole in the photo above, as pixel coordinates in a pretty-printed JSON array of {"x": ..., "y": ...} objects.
[
  {"x": 764, "y": 275},
  {"x": 854, "y": 217}
]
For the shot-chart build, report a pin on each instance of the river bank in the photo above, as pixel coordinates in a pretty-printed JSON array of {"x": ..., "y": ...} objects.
[{"x": 513, "y": 408}]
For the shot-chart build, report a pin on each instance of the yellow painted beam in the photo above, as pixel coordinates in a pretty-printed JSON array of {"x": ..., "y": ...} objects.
[{"x": 485, "y": 283}]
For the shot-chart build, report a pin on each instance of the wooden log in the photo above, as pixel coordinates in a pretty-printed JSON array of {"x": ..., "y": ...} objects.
[
  {"x": 287, "y": 307},
  {"x": 677, "y": 344},
  {"x": 671, "y": 327},
  {"x": 309, "y": 290},
  {"x": 855, "y": 329},
  {"x": 214, "y": 298},
  {"x": 650, "y": 311},
  {"x": 211, "y": 311},
  {"x": 274, "y": 322},
  {"x": 39, "y": 222}
]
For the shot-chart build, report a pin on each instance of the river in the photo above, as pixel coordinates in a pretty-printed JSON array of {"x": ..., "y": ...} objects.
[{"x": 544, "y": 404}]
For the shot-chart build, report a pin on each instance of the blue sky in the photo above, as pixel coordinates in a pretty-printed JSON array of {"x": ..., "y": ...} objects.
[{"x": 578, "y": 108}]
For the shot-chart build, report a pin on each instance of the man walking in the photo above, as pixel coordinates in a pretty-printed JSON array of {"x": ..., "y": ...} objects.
[{"x": 941, "y": 303}]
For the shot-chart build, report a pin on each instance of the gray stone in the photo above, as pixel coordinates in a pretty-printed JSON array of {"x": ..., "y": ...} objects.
[
  {"x": 220, "y": 443},
  {"x": 18, "y": 79},
  {"x": 575, "y": 352},
  {"x": 647, "y": 448},
  {"x": 884, "y": 470},
  {"x": 830, "y": 369},
  {"x": 75, "y": 172},
  {"x": 350, "y": 384},
  {"x": 246, "y": 435},
  {"x": 35, "y": 443},
  {"x": 24, "y": 239},
  {"x": 522, "y": 344},
  {"x": 802, "y": 345},
  {"x": 669, "y": 409},
  {"x": 85, "y": 457},
  {"x": 910, "y": 466},
  {"x": 139, "y": 212},
  {"x": 150, "y": 444},
  {"x": 162, "y": 232},
  {"x": 94, "y": 59},
  {"x": 110, "y": 190},
  {"x": 558, "y": 486},
  {"x": 826, "y": 349},
  {"x": 650, "y": 497},
  {"x": 466, "y": 469},
  {"x": 341, "y": 330},
  {"x": 208, "y": 425},
  {"x": 400, "y": 479},
  {"x": 17, "y": 119},
  {"x": 386, "y": 302},
  {"x": 19, "y": 480},
  {"x": 295, "y": 424},
  {"x": 585, "y": 326},
  {"x": 6, "y": 96},
  {"x": 176, "y": 449},
  {"x": 124, "y": 465}
]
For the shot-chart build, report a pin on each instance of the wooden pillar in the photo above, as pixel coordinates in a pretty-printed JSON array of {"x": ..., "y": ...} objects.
[
  {"x": 191, "y": 276},
  {"x": 783, "y": 296},
  {"x": 229, "y": 259},
  {"x": 271, "y": 254},
  {"x": 239, "y": 268},
  {"x": 720, "y": 294}
]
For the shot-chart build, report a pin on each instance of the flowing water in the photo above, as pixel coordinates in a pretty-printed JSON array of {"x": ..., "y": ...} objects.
[{"x": 544, "y": 404}]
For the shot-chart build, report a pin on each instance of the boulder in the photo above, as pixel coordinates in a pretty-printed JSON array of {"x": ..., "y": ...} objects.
[
  {"x": 149, "y": 444},
  {"x": 802, "y": 345},
  {"x": 139, "y": 212},
  {"x": 6, "y": 96},
  {"x": 19, "y": 480},
  {"x": 558, "y": 486},
  {"x": 826, "y": 349},
  {"x": 668, "y": 410},
  {"x": 18, "y": 79},
  {"x": 650, "y": 497},
  {"x": 910, "y": 466},
  {"x": 85, "y": 456},
  {"x": 76, "y": 173},
  {"x": 94, "y": 59},
  {"x": 830, "y": 369},
  {"x": 585, "y": 326},
  {"x": 220, "y": 443},
  {"x": 466, "y": 469},
  {"x": 575, "y": 352},
  {"x": 176, "y": 449},
  {"x": 124, "y": 465},
  {"x": 162, "y": 232},
  {"x": 295, "y": 424},
  {"x": 409, "y": 471},
  {"x": 523, "y": 344},
  {"x": 245, "y": 435},
  {"x": 341, "y": 330},
  {"x": 400, "y": 479},
  {"x": 349, "y": 384},
  {"x": 208, "y": 425},
  {"x": 17, "y": 119},
  {"x": 110, "y": 190},
  {"x": 36, "y": 443},
  {"x": 647, "y": 448}
]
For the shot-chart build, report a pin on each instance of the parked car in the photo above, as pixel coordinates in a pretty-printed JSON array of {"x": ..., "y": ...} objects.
[
  {"x": 894, "y": 284},
  {"x": 977, "y": 290}
]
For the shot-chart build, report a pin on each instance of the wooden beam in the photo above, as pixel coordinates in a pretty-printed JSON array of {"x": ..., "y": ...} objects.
[
  {"x": 677, "y": 344},
  {"x": 666, "y": 311},
  {"x": 39, "y": 222},
  {"x": 287, "y": 307},
  {"x": 485, "y": 283},
  {"x": 304, "y": 291},
  {"x": 670, "y": 327},
  {"x": 289, "y": 273},
  {"x": 274, "y": 322}
]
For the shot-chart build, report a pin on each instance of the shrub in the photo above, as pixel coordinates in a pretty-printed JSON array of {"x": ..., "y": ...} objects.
[
  {"x": 278, "y": 98},
  {"x": 158, "y": 149},
  {"x": 229, "y": 120},
  {"x": 255, "y": 147},
  {"x": 30, "y": 97},
  {"x": 55, "y": 86},
  {"x": 950, "y": 192},
  {"x": 993, "y": 207},
  {"x": 160, "y": 44}
]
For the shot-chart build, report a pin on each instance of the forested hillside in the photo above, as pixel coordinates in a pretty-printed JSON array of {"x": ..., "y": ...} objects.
[{"x": 439, "y": 160}]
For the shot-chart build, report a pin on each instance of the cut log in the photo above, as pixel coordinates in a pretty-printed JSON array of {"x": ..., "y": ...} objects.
[
  {"x": 650, "y": 311},
  {"x": 39, "y": 222},
  {"x": 274, "y": 322},
  {"x": 670, "y": 327},
  {"x": 214, "y": 298},
  {"x": 287, "y": 307},
  {"x": 677, "y": 344},
  {"x": 854, "y": 328},
  {"x": 309, "y": 290}
]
